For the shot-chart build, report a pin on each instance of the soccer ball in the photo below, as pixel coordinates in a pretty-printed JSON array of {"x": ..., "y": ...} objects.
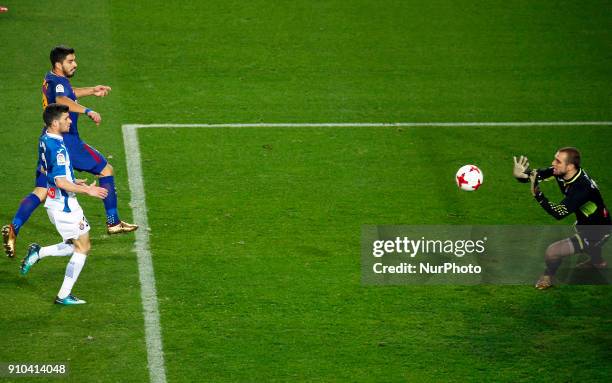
[{"x": 469, "y": 177}]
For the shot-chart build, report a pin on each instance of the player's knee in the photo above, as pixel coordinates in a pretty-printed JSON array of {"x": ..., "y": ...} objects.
[
  {"x": 552, "y": 254},
  {"x": 82, "y": 247},
  {"x": 41, "y": 193},
  {"x": 107, "y": 171}
]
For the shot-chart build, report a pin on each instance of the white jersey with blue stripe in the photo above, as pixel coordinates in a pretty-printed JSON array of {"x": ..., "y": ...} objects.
[{"x": 55, "y": 162}]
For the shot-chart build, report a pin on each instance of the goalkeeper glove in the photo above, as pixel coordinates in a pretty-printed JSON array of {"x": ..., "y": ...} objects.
[{"x": 521, "y": 169}]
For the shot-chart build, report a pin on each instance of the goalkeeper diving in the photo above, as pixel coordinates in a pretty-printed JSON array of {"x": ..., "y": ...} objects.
[{"x": 581, "y": 196}]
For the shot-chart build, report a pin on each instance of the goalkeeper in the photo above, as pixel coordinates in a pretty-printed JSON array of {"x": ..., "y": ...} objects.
[{"x": 581, "y": 197}]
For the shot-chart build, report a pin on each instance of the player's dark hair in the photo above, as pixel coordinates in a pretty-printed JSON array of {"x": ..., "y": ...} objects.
[
  {"x": 54, "y": 112},
  {"x": 59, "y": 53},
  {"x": 573, "y": 155}
]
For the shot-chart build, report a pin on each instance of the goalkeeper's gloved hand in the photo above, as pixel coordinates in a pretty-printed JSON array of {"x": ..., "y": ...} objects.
[{"x": 521, "y": 168}]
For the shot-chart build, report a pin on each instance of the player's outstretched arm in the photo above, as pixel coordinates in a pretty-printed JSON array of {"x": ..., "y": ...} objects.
[
  {"x": 560, "y": 210},
  {"x": 545, "y": 174},
  {"x": 78, "y": 108},
  {"x": 556, "y": 210},
  {"x": 91, "y": 189},
  {"x": 98, "y": 91}
]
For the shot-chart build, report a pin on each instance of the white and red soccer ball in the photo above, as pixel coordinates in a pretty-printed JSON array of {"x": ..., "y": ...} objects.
[{"x": 469, "y": 178}]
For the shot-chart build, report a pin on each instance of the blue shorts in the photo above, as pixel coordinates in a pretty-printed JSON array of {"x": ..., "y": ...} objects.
[{"x": 83, "y": 158}]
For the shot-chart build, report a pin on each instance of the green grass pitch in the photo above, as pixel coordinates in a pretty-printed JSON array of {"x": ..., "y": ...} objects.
[{"x": 255, "y": 232}]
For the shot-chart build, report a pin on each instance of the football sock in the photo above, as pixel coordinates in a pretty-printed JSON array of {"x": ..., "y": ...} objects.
[
  {"x": 110, "y": 202},
  {"x": 26, "y": 208},
  {"x": 551, "y": 266},
  {"x": 58, "y": 250},
  {"x": 555, "y": 254},
  {"x": 72, "y": 274}
]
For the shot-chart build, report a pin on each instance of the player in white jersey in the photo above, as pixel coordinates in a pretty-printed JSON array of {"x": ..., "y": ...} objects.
[{"x": 62, "y": 206}]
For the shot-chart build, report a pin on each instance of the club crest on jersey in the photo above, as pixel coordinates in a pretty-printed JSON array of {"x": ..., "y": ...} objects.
[
  {"x": 61, "y": 159},
  {"x": 59, "y": 88}
]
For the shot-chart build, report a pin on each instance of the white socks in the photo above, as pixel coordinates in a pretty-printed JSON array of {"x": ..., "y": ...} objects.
[
  {"x": 59, "y": 250},
  {"x": 72, "y": 273},
  {"x": 74, "y": 266}
]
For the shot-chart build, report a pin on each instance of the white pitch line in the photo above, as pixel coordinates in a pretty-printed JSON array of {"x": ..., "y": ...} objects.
[
  {"x": 374, "y": 124},
  {"x": 155, "y": 353},
  {"x": 153, "y": 337}
]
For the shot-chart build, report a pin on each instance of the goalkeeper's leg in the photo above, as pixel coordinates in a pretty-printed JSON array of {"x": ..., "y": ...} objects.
[
  {"x": 553, "y": 258},
  {"x": 595, "y": 260},
  {"x": 555, "y": 254},
  {"x": 595, "y": 255}
]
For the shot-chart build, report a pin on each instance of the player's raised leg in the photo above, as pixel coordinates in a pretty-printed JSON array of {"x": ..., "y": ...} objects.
[
  {"x": 25, "y": 210},
  {"x": 35, "y": 253},
  {"x": 87, "y": 158},
  {"x": 114, "y": 225}
]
